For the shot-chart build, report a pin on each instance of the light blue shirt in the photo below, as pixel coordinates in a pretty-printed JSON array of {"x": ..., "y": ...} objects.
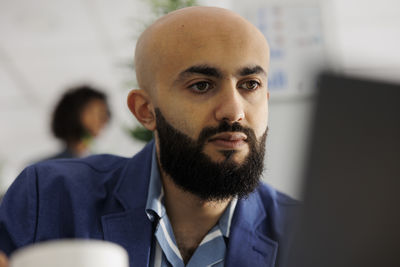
[{"x": 212, "y": 249}]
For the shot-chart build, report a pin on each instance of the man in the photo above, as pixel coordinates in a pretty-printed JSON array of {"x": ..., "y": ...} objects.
[{"x": 192, "y": 197}]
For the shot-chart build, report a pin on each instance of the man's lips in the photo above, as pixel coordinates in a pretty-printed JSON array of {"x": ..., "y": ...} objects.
[{"x": 229, "y": 140}]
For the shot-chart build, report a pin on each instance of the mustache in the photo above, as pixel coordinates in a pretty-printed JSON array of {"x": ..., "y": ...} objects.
[
  {"x": 207, "y": 132},
  {"x": 225, "y": 126}
]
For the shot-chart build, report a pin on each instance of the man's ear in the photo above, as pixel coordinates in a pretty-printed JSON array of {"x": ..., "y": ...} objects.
[{"x": 140, "y": 105}]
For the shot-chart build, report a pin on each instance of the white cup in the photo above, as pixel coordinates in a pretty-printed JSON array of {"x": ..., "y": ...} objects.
[{"x": 71, "y": 253}]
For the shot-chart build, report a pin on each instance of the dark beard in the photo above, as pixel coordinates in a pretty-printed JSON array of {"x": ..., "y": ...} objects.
[{"x": 183, "y": 159}]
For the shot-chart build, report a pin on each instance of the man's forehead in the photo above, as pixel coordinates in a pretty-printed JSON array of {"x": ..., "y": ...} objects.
[{"x": 212, "y": 45}]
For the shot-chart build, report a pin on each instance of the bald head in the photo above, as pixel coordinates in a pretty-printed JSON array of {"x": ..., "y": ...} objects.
[{"x": 183, "y": 35}]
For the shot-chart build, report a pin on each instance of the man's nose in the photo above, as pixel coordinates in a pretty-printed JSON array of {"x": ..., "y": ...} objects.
[{"x": 230, "y": 105}]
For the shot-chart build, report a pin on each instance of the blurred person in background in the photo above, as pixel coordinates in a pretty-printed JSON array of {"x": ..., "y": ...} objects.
[{"x": 80, "y": 115}]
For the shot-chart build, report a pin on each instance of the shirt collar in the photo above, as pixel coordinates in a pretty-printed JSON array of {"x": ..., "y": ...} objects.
[
  {"x": 155, "y": 199},
  {"x": 224, "y": 222}
]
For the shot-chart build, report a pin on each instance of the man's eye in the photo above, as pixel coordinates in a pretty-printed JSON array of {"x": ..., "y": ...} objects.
[
  {"x": 201, "y": 87},
  {"x": 250, "y": 85}
]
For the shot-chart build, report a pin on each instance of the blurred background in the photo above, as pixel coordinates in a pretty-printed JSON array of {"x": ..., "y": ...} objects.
[{"x": 48, "y": 46}]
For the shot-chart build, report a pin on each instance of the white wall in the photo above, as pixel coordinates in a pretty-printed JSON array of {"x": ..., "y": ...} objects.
[{"x": 363, "y": 37}]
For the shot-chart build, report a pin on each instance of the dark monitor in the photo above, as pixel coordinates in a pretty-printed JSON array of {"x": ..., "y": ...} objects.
[{"x": 351, "y": 214}]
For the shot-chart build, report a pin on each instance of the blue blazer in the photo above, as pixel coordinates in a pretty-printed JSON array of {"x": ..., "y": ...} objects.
[{"x": 104, "y": 197}]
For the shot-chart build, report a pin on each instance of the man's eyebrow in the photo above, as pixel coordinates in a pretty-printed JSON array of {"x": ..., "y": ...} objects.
[
  {"x": 201, "y": 69},
  {"x": 252, "y": 70}
]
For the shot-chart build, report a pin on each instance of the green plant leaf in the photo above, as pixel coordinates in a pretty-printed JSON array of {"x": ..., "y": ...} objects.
[{"x": 140, "y": 133}]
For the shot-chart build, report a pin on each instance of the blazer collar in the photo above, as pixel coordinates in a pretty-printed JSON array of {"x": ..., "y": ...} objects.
[
  {"x": 133, "y": 186},
  {"x": 249, "y": 244}
]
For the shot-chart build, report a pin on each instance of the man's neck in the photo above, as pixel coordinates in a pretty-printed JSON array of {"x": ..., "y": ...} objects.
[{"x": 191, "y": 217}]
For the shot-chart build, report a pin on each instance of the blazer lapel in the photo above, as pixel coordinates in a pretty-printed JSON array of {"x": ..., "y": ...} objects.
[
  {"x": 132, "y": 229},
  {"x": 247, "y": 245}
]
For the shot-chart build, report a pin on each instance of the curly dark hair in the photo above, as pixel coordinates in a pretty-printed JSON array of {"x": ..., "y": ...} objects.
[{"x": 66, "y": 120}]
